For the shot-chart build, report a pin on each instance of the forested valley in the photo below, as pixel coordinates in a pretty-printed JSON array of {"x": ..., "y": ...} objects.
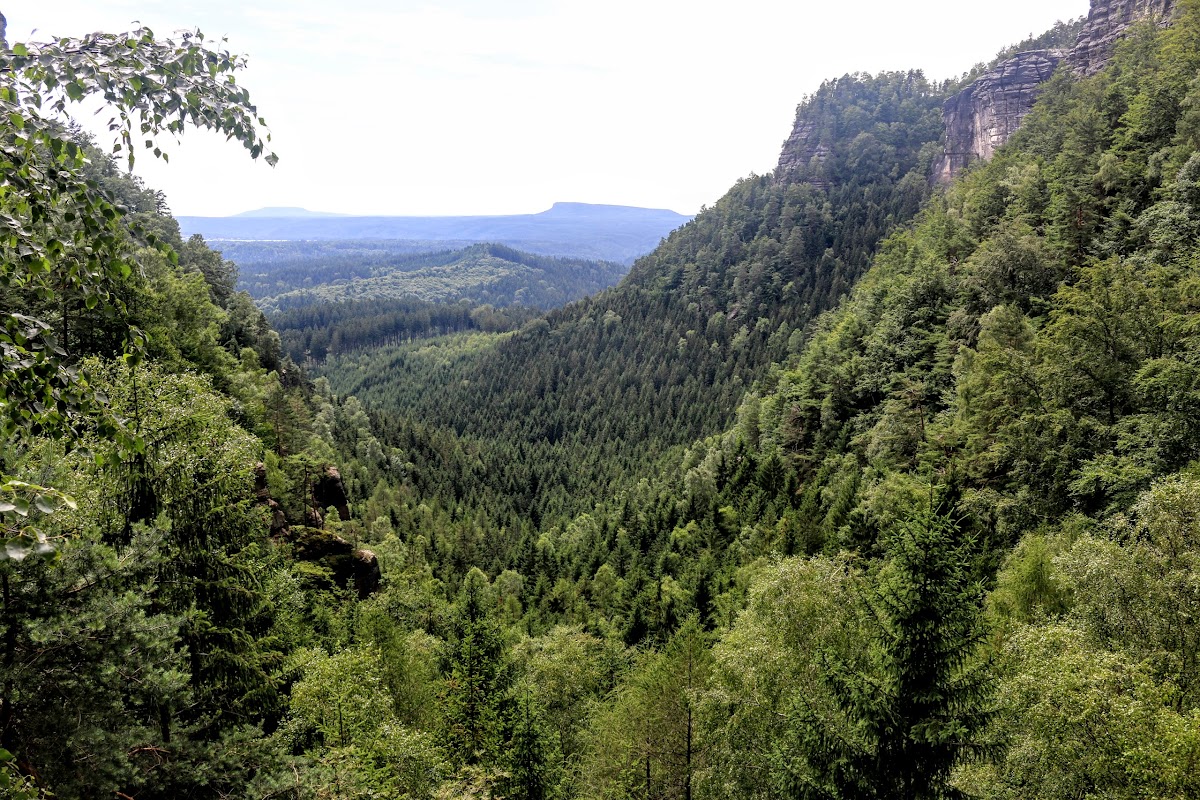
[{"x": 858, "y": 486}]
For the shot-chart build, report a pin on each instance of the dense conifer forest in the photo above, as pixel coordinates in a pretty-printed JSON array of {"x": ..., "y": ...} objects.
[{"x": 856, "y": 487}]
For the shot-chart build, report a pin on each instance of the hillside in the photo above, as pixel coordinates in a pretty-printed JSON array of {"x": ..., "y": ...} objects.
[
  {"x": 593, "y": 395},
  {"x": 480, "y": 274},
  {"x": 878, "y": 479}
]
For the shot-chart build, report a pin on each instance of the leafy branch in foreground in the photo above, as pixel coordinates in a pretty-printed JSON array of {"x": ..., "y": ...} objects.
[{"x": 62, "y": 238}]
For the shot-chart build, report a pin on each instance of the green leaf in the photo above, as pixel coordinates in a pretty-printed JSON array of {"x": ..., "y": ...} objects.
[
  {"x": 18, "y": 549},
  {"x": 47, "y": 504},
  {"x": 21, "y": 506},
  {"x": 43, "y": 547}
]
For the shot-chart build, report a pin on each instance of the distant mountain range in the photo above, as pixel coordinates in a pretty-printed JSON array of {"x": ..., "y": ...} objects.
[
  {"x": 275, "y": 212},
  {"x": 577, "y": 230}
]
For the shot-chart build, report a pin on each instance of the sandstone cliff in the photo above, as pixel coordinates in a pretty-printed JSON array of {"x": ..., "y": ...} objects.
[
  {"x": 337, "y": 561},
  {"x": 803, "y": 151},
  {"x": 984, "y": 115},
  {"x": 1107, "y": 21}
]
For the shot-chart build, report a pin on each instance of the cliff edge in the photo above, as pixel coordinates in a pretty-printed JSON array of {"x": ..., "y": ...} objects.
[
  {"x": 982, "y": 117},
  {"x": 1107, "y": 21}
]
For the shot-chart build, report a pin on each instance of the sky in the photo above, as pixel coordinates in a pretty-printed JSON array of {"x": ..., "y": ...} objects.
[{"x": 412, "y": 107}]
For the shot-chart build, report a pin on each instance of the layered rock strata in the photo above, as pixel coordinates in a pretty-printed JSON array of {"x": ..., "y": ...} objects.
[
  {"x": 1107, "y": 22},
  {"x": 803, "y": 151},
  {"x": 983, "y": 116}
]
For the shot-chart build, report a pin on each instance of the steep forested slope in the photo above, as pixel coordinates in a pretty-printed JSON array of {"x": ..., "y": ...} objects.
[
  {"x": 575, "y": 404},
  {"x": 1028, "y": 342},
  {"x": 163, "y": 561},
  {"x": 147, "y": 617}
]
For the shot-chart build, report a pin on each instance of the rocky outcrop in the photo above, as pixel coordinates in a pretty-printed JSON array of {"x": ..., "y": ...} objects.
[
  {"x": 803, "y": 152},
  {"x": 326, "y": 492},
  {"x": 1107, "y": 21},
  {"x": 367, "y": 574},
  {"x": 336, "y": 561},
  {"x": 329, "y": 491},
  {"x": 983, "y": 116},
  {"x": 279, "y": 523},
  {"x": 340, "y": 563}
]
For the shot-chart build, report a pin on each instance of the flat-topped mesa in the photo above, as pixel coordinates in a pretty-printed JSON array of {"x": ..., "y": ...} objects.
[
  {"x": 1107, "y": 22},
  {"x": 983, "y": 116}
]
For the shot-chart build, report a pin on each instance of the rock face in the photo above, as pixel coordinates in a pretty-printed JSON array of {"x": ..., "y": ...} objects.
[
  {"x": 367, "y": 575},
  {"x": 336, "y": 562},
  {"x": 279, "y": 523},
  {"x": 329, "y": 491},
  {"x": 803, "y": 151},
  {"x": 1107, "y": 22},
  {"x": 983, "y": 116}
]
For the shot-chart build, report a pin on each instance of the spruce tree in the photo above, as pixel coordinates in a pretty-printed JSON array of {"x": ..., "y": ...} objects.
[
  {"x": 920, "y": 706},
  {"x": 476, "y": 702}
]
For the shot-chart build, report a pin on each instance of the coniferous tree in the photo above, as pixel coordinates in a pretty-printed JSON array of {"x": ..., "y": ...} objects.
[
  {"x": 920, "y": 706},
  {"x": 475, "y": 702}
]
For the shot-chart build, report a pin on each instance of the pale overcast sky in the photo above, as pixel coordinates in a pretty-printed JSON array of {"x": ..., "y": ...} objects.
[{"x": 506, "y": 106}]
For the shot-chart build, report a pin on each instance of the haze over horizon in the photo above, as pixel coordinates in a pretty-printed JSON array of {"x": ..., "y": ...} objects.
[
  {"x": 300, "y": 211},
  {"x": 472, "y": 108}
]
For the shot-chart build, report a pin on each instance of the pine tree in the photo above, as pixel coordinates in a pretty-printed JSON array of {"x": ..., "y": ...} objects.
[{"x": 530, "y": 761}]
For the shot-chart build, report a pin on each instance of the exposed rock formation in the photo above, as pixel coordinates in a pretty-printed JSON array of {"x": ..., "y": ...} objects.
[
  {"x": 983, "y": 116},
  {"x": 339, "y": 562},
  {"x": 367, "y": 574},
  {"x": 803, "y": 151},
  {"x": 342, "y": 564},
  {"x": 279, "y": 523},
  {"x": 1107, "y": 22},
  {"x": 329, "y": 491}
]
